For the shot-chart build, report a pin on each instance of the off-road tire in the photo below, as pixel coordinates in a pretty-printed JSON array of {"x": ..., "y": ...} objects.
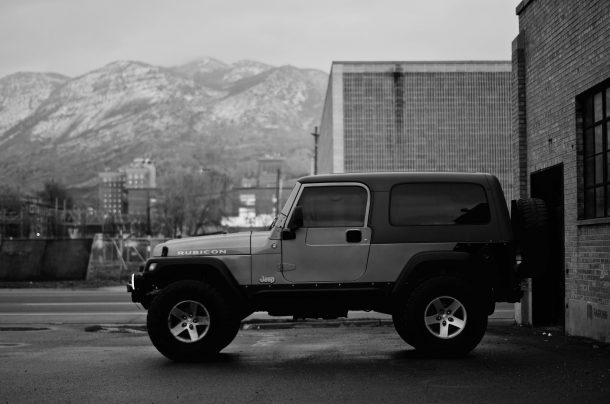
[
  {"x": 410, "y": 317},
  {"x": 221, "y": 328},
  {"x": 531, "y": 227}
]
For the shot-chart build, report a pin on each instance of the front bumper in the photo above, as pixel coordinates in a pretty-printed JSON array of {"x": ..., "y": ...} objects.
[
  {"x": 131, "y": 286},
  {"x": 139, "y": 289}
]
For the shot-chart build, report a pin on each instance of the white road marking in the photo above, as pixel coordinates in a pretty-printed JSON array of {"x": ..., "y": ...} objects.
[
  {"x": 84, "y": 313},
  {"x": 268, "y": 339},
  {"x": 74, "y": 304}
]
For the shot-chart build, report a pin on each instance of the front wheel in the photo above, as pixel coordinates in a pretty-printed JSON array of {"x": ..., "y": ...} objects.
[
  {"x": 190, "y": 321},
  {"x": 443, "y": 316}
]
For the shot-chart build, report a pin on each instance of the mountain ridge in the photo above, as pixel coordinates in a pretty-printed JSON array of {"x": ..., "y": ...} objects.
[{"x": 203, "y": 113}]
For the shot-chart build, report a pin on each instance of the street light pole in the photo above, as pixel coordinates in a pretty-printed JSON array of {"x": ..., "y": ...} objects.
[{"x": 315, "y": 135}]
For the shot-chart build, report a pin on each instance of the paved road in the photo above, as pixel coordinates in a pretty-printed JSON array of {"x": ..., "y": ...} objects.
[
  {"x": 310, "y": 365},
  {"x": 105, "y": 305},
  {"x": 108, "y": 306}
]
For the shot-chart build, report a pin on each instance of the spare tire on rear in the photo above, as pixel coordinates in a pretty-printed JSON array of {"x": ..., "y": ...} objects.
[{"x": 531, "y": 227}]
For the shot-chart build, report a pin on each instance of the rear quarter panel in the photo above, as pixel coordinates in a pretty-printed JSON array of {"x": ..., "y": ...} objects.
[
  {"x": 393, "y": 247},
  {"x": 386, "y": 261}
]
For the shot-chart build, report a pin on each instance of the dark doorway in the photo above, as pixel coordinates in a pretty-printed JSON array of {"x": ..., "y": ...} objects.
[{"x": 548, "y": 290}]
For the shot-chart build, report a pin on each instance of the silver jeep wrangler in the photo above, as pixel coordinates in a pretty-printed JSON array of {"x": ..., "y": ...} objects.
[{"x": 434, "y": 250}]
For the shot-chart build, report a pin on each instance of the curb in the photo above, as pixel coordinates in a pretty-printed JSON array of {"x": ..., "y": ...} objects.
[
  {"x": 289, "y": 324},
  {"x": 255, "y": 325}
]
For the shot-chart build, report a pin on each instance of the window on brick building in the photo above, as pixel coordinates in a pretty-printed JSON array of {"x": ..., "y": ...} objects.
[{"x": 596, "y": 152}]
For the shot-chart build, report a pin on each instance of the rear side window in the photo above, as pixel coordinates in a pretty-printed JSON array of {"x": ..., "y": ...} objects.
[
  {"x": 430, "y": 204},
  {"x": 333, "y": 206}
]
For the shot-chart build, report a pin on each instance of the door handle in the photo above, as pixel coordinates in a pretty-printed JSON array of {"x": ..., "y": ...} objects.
[
  {"x": 286, "y": 267},
  {"x": 353, "y": 236}
]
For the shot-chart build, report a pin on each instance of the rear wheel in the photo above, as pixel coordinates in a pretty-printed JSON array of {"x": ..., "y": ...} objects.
[
  {"x": 190, "y": 321},
  {"x": 442, "y": 316}
]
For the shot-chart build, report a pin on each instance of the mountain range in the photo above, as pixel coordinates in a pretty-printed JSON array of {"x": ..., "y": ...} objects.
[{"x": 204, "y": 114}]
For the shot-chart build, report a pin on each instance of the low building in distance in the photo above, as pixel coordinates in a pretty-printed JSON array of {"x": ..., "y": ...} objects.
[{"x": 256, "y": 201}]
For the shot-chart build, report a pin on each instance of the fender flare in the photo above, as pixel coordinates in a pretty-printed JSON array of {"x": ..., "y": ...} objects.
[
  {"x": 426, "y": 257},
  {"x": 165, "y": 266}
]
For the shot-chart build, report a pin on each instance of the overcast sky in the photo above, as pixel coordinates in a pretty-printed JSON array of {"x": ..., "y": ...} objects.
[{"x": 75, "y": 36}]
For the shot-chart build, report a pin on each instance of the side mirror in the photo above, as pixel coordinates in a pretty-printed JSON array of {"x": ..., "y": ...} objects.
[
  {"x": 296, "y": 222},
  {"x": 288, "y": 234}
]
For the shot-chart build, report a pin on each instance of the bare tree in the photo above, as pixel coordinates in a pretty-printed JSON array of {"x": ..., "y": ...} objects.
[
  {"x": 54, "y": 193},
  {"x": 191, "y": 201}
]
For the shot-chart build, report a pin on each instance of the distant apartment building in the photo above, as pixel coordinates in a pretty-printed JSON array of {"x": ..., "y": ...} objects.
[
  {"x": 140, "y": 183},
  {"x": 141, "y": 173},
  {"x": 129, "y": 189},
  {"x": 418, "y": 116},
  {"x": 112, "y": 192}
]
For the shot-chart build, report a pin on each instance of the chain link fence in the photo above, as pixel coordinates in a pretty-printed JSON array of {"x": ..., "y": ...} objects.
[{"x": 117, "y": 258}]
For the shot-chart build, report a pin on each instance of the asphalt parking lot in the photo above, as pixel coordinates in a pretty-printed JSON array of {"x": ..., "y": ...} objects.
[{"x": 357, "y": 361}]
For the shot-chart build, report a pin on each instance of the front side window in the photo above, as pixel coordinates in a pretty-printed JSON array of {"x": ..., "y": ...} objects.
[
  {"x": 437, "y": 204},
  {"x": 596, "y": 153},
  {"x": 333, "y": 206}
]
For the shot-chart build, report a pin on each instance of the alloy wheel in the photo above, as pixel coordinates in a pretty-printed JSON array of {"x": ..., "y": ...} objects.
[
  {"x": 188, "y": 321},
  {"x": 445, "y": 317}
]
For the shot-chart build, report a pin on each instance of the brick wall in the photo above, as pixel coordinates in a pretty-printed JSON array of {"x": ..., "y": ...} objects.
[
  {"x": 519, "y": 121},
  {"x": 564, "y": 46}
]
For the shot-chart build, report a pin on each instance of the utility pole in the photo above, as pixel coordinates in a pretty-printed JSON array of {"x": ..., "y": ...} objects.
[{"x": 315, "y": 135}]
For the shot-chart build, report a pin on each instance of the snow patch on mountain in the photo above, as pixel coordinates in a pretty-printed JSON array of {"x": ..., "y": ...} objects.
[{"x": 22, "y": 93}]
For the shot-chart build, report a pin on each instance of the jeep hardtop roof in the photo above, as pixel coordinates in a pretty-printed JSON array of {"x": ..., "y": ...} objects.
[{"x": 385, "y": 180}]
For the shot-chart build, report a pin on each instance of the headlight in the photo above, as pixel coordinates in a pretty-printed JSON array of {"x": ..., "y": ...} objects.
[{"x": 152, "y": 267}]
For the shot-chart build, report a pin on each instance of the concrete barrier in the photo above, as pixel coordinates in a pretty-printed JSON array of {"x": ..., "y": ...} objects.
[
  {"x": 38, "y": 260},
  {"x": 21, "y": 260},
  {"x": 66, "y": 259}
]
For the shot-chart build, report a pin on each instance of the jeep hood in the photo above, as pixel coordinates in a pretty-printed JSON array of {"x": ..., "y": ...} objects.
[{"x": 221, "y": 244}]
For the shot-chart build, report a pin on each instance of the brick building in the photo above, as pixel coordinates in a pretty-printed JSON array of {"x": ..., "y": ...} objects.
[
  {"x": 561, "y": 145},
  {"x": 128, "y": 190},
  {"x": 140, "y": 184},
  {"x": 418, "y": 116}
]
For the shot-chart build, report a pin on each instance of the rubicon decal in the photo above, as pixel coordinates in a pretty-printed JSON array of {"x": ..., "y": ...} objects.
[{"x": 201, "y": 252}]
